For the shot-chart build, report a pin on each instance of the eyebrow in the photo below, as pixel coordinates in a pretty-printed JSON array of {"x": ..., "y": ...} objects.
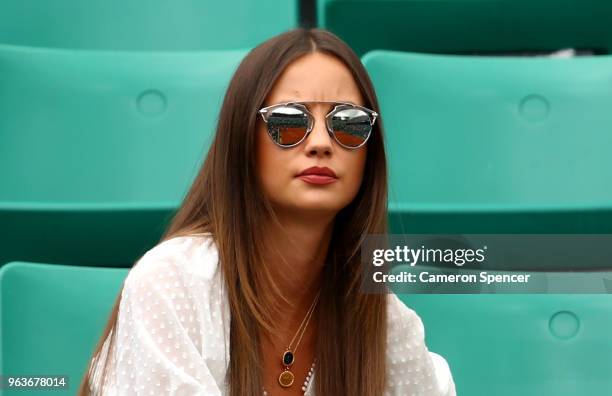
[
  {"x": 314, "y": 101},
  {"x": 307, "y": 104}
]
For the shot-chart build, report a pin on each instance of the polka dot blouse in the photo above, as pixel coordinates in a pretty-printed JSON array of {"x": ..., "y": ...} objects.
[{"x": 173, "y": 331}]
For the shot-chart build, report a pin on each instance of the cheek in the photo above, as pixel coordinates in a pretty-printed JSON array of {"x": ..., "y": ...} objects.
[
  {"x": 355, "y": 170},
  {"x": 268, "y": 158},
  {"x": 263, "y": 156}
]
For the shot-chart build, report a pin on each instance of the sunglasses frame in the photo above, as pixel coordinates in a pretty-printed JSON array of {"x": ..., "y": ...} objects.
[{"x": 301, "y": 105}]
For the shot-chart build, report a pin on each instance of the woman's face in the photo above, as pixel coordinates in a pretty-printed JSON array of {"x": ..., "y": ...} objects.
[{"x": 313, "y": 77}]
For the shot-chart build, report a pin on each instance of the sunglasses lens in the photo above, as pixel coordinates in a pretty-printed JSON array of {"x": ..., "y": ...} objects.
[
  {"x": 287, "y": 125},
  {"x": 351, "y": 126}
]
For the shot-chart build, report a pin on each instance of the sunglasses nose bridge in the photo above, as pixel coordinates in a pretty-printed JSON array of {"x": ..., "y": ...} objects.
[{"x": 319, "y": 133}]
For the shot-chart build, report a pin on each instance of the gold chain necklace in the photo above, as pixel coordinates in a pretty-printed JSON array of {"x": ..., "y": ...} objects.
[{"x": 286, "y": 378}]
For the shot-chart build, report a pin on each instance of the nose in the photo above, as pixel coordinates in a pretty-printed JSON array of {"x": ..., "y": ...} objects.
[{"x": 319, "y": 142}]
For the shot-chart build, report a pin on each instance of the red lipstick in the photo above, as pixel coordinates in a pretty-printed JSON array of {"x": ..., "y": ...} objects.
[{"x": 318, "y": 175}]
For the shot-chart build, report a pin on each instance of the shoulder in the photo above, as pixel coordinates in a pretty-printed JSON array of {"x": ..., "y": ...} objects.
[
  {"x": 180, "y": 269},
  {"x": 404, "y": 325},
  {"x": 171, "y": 323},
  {"x": 412, "y": 367},
  {"x": 177, "y": 259},
  {"x": 177, "y": 285}
]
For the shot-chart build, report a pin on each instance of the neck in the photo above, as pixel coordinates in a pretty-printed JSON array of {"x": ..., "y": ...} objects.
[{"x": 295, "y": 254}]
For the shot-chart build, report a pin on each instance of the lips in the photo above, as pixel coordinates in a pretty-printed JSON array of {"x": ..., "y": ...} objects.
[
  {"x": 317, "y": 175},
  {"x": 316, "y": 170}
]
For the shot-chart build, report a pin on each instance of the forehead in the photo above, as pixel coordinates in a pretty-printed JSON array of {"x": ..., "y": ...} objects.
[{"x": 315, "y": 77}]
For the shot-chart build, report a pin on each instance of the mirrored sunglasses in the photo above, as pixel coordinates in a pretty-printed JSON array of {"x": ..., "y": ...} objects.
[{"x": 290, "y": 123}]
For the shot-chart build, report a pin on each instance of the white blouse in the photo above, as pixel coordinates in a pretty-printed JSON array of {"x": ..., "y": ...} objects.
[{"x": 173, "y": 331}]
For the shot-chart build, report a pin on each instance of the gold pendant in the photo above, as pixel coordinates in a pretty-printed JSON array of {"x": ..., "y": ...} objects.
[{"x": 285, "y": 379}]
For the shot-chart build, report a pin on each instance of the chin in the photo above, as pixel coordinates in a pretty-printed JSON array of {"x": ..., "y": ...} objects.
[
  {"x": 318, "y": 205},
  {"x": 312, "y": 205}
]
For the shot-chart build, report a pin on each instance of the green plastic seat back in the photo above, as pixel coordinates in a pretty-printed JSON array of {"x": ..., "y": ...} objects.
[
  {"x": 101, "y": 128},
  {"x": 51, "y": 317},
  {"x": 99, "y": 140},
  {"x": 528, "y": 345},
  {"x": 464, "y": 26},
  {"x": 514, "y": 137},
  {"x": 144, "y": 24}
]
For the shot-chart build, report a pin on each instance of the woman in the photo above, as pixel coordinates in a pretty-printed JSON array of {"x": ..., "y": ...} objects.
[{"x": 254, "y": 288}]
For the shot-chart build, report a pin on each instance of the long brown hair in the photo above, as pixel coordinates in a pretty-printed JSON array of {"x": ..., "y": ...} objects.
[{"x": 225, "y": 199}]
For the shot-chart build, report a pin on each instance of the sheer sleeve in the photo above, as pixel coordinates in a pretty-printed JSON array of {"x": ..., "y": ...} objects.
[
  {"x": 160, "y": 331},
  {"x": 413, "y": 369}
]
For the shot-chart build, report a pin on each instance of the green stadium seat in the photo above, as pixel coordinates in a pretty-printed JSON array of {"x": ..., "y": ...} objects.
[
  {"x": 467, "y": 26},
  {"x": 528, "y": 345},
  {"x": 496, "y": 145},
  {"x": 51, "y": 317},
  {"x": 144, "y": 24},
  {"x": 98, "y": 148}
]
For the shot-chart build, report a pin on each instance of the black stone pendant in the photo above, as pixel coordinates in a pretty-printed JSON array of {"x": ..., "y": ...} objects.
[{"x": 288, "y": 358}]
